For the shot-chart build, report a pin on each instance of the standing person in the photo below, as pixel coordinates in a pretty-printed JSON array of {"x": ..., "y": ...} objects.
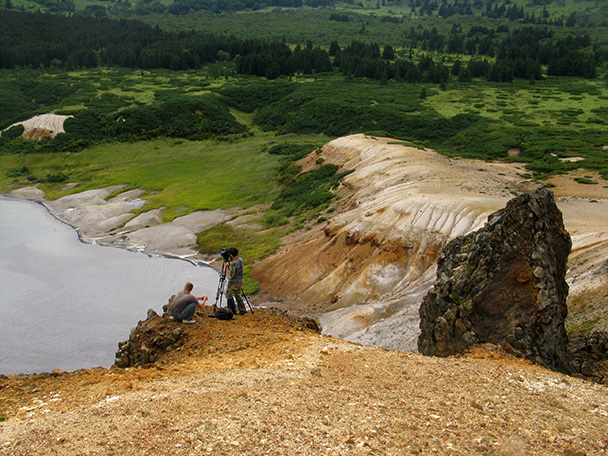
[
  {"x": 185, "y": 303},
  {"x": 235, "y": 282}
]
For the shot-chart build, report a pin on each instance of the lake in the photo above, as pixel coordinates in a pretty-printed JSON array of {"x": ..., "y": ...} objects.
[{"x": 65, "y": 304}]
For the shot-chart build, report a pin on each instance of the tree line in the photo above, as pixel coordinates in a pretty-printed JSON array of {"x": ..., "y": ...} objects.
[
  {"x": 43, "y": 40},
  {"x": 492, "y": 9}
]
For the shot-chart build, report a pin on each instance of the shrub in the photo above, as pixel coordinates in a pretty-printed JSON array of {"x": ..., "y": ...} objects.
[
  {"x": 17, "y": 172},
  {"x": 585, "y": 180},
  {"x": 275, "y": 219},
  {"x": 12, "y": 133},
  {"x": 56, "y": 177},
  {"x": 308, "y": 191},
  {"x": 255, "y": 95}
]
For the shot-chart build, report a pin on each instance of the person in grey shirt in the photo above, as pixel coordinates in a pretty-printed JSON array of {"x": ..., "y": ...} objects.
[
  {"x": 235, "y": 282},
  {"x": 185, "y": 303}
]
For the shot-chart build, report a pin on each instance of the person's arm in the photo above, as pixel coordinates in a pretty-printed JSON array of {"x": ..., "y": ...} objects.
[{"x": 203, "y": 299}]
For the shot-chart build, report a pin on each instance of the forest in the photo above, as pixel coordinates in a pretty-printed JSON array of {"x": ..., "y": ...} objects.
[
  {"x": 468, "y": 78},
  {"x": 498, "y": 54}
]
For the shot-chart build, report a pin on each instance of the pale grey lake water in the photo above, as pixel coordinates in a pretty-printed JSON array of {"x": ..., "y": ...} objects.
[{"x": 65, "y": 304}]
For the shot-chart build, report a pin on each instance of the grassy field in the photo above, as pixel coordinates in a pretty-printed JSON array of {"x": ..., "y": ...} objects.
[
  {"x": 180, "y": 175},
  {"x": 297, "y": 25},
  {"x": 563, "y": 115},
  {"x": 551, "y": 102}
]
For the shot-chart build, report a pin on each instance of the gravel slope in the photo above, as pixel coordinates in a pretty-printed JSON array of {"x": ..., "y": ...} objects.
[{"x": 262, "y": 385}]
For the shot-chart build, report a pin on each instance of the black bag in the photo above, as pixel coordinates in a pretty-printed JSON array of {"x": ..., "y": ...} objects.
[{"x": 223, "y": 314}]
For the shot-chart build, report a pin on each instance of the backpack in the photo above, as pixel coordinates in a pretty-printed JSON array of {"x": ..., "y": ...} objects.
[{"x": 223, "y": 314}]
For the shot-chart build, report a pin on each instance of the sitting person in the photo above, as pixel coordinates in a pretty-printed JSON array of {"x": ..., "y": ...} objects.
[{"x": 185, "y": 303}]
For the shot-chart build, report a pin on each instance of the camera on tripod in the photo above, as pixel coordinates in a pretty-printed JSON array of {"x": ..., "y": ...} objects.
[{"x": 225, "y": 255}]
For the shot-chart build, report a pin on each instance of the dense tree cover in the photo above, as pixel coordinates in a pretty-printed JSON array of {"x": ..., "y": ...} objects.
[
  {"x": 218, "y": 6},
  {"x": 57, "y": 6},
  {"x": 498, "y": 9},
  {"x": 42, "y": 40},
  {"x": 490, "y": 9},
  {"x": 274, "y": 59},
  {"x": 193, "y": 118}
]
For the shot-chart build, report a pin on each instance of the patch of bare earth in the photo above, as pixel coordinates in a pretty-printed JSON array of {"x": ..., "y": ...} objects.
[{"x": 264, "y": 385}]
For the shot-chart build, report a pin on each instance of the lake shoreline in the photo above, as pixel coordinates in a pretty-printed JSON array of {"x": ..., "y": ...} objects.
[
  {"x": 67, "y": 303},
  {"x": 111, "y": 222}
]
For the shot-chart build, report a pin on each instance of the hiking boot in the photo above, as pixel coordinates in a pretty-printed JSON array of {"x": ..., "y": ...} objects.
[{"x": 188, "y": 321}]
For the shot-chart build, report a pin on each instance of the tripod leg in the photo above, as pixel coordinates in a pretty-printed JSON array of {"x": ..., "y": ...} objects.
[{"x": 248, "y": 303}]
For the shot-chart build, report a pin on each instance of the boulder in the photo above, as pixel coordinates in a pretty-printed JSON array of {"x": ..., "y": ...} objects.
[
  {"x": 505, "y": 285},
  {"x": 150, "y": 338},
  {"x": 589, "y": 355}
]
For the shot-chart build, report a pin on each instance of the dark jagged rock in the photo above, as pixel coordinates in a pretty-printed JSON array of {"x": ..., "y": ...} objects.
[
  {"x": 589, "y": 355},
  {"x": 504, "y": 285},
  {"x": 148, "y": 339}
]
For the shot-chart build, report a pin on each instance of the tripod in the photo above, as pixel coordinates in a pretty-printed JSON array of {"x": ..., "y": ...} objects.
[
  {"x": 221, "y": 290},
  {"x": 221, "y": 287}
]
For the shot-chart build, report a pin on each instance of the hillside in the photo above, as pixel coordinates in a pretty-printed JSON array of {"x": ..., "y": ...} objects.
[
  {"x": 263, "y": 385},
  {"x": 364, "y": 271}
]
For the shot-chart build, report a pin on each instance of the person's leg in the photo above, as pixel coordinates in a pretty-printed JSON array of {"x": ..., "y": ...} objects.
[
  {"x": 230, "y": 293},
  {"x": 230, "y": 305},
  {"x": 189, "y": 311},
  {"x": 185, "y": 314},
  {"x": 239, "y": 300}
]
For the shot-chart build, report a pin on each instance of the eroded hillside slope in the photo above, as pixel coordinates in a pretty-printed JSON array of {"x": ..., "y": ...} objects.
[{"x": 365, "y": 271}]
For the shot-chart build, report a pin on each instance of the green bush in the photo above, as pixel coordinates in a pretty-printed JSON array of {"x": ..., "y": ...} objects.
[
  {"x": 255, "y": 94},
  {"x": 308, "y": 191},
  {"x": 56, "y": 177},
  {"x": 274, "y": 219},
  {"x": 17, "y": 172},
  {"x": 12, "y": 133},
  {"x": 585, "y": 180}
]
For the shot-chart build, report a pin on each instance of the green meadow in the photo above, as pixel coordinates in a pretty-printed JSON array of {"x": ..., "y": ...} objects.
[{"x": 180, "y": 175}]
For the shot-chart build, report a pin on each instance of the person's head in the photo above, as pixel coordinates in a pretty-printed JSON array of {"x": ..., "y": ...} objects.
[
  {"x": 233, "y": 252},
  {"x": 188, "y": 287}
]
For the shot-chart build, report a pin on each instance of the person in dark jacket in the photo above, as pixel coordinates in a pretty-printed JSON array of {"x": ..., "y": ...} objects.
[{"x": 235, "y": 282}]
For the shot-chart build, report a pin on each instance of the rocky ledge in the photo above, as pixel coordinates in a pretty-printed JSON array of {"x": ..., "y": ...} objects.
[{"x": 158, "y": 334}]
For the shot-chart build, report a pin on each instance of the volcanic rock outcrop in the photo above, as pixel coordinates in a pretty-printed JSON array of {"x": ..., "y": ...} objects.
[
  {"x": 589, "y": 355},
  {"x": 148, "y": 340},
  {"x": 504, "y": 285}
]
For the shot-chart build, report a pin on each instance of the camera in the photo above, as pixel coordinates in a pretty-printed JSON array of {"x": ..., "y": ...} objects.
[{"x": 225, "y": 254}]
